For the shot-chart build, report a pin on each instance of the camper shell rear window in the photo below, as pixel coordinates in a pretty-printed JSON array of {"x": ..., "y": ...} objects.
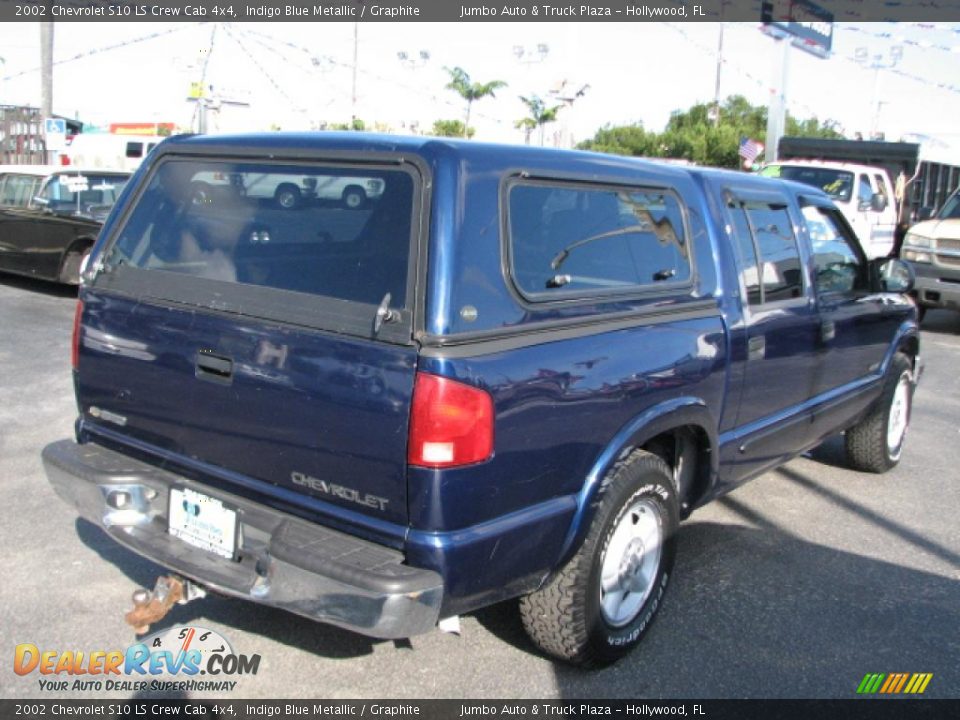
[{"x": 253, "y": 236}]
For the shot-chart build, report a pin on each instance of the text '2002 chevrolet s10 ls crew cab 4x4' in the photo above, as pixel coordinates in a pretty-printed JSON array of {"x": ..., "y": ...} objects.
[{"x": 509, "y": 374}]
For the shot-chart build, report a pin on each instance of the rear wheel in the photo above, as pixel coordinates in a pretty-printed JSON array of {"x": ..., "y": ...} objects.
[
  {"x": 287, "y": 196},
  {"x": 602, "y": 602},
  {"x": 876, "y": 442},
  {"x": 354, "y": 197}
]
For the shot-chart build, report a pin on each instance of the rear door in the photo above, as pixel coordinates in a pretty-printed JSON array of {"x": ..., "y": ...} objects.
[
  {"x": 781, "y": 333},
  {"x": 240, "y": 338}
]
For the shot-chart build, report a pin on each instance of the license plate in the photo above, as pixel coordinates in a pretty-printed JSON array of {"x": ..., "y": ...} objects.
[{"x": 203, "y": 521}]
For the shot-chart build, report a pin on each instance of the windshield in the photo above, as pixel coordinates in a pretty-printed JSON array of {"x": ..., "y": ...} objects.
[
  {"x": 80, "y": 192},
  {"x": 951, "y": 208},
  {"x": 838, "y": 184}
]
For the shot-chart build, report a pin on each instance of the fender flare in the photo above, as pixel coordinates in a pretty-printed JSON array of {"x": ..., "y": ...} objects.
[
  {"x": 908, "y": 331},
  {"x": 670, "y": 414}
]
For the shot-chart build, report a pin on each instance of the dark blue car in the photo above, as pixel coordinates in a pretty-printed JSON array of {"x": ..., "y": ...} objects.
[{"x": 509, "y": 374}]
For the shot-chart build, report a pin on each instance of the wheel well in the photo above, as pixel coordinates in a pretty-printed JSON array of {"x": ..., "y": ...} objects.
[
  {"x": 910, "y": 346},
  {"x": 286, "y": 186},
  {"x": 350, "y": 188},
  {"x": 79, "y": 246},
  {"x": 686, "y": 450}
]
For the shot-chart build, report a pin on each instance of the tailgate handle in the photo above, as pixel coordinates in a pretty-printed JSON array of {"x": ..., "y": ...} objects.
[{"x": 214, "y": 367}]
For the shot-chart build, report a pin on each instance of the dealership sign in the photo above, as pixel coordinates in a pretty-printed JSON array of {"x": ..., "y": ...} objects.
[{"x": 809, "y": 26}]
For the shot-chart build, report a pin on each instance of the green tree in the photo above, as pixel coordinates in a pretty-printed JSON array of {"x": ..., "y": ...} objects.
[
  {"x": 356, "y": 124},
  {"x": 693, "y": 135},
  {"x": 539, "y": 116},
  {"x": 461, "y": 84},
  {"x": 450, "y": 128}
]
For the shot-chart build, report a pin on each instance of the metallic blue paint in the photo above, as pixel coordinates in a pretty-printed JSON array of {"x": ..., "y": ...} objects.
[{"x": 566, "y": 403}]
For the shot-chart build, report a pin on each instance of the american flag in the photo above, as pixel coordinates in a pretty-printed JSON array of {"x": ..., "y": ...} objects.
[{"x": 749, "y": 149}]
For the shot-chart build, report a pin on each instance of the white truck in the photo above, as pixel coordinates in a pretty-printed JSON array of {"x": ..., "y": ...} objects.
[{"x": 863, "y": 193}]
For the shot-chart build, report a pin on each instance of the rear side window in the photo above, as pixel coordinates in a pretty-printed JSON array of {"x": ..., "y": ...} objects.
[
  {"x": 335, "y": 232},
  {"x": 18, "y": 190},
  {"x": 767, "y": 252},
  {"x": 572, "y": 240}
]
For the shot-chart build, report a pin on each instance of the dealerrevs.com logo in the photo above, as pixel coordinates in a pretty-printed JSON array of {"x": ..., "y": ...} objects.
[{"x": 184, "y": 659}]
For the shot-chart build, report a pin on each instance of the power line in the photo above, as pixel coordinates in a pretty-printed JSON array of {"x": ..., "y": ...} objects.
[
  {"x": 107, "y": 48},
  {"x": 262, "y": 70}
]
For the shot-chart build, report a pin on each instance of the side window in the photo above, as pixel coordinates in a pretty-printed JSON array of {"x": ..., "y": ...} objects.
[
  {"x": 15, "y": 190},
  {"x": 587, "y": 241},
  {"x": 838, "y": 266},
  {"x": 864, "y": 191},
  {"x": 781, "y": 273},
  {"x": 134, "y": 149},
  {"x": 746, "y": 254}
]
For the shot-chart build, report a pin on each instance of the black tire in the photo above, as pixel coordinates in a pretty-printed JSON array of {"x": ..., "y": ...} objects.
[
  {"x": 287, "y": 196},
  {"x": 569, "y": 617},
  {"x": 870, "y": 445},
  {"x": 354, "y": 197}
]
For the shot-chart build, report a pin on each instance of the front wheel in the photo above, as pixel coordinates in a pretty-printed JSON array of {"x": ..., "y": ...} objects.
[
  {"x": 876, "y": 442},
  {"x": 601, "y": 603}
]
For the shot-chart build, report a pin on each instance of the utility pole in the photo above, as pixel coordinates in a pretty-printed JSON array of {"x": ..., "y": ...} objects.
[
  {"x": 46, "y": 75},
  {"x": 356, "y": 46},
  {"x": 716, "y": 87}
]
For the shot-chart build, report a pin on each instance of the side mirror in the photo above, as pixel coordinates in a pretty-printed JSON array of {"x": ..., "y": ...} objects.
[
  {"x": 925, "y": 213},
  {"x": 878, "y": 203},
  {"x": 892, "y": 275}
]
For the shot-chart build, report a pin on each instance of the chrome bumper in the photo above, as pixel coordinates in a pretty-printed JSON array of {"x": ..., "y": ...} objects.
[{"x": 282, "y": 561}]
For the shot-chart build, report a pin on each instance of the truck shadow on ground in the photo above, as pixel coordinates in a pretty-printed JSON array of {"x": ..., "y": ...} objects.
[
  {"x": 40, "y": 287},
  {"x": 941, "y": 322},
  {"x": 755, "y": 611},
  {"x": 278, "y": 625}
]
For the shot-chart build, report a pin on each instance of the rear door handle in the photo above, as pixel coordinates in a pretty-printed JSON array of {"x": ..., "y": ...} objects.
[
  {"x": 756, "y": 347},
  {"x": 214, "y": 368},
  {"x": 828, "y": 330}
]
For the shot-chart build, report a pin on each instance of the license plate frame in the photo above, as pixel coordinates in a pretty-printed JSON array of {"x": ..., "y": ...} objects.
[{"x": 217, "y": 533}]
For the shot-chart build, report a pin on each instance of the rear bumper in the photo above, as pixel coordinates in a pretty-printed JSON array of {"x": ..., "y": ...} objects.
[{"x": 283, "y": 561}]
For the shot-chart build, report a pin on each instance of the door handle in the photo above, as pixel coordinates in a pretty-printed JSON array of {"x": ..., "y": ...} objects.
[
  {"x": 828, "y": 330},
  {"x": 214, "y": 368},
  {"x": 756, "y": 348}
]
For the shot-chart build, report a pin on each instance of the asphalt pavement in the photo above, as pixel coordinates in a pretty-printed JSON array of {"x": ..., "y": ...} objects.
[{"x": 795, "y": 585}]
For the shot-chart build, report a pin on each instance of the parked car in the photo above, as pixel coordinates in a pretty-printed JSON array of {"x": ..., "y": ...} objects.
[
  {"x": 49, "y": 218},
  {"x": 511, "y": 376},
  {"x": 108, "y": 150},
  {"x": 289, "y": 191},
  {"x": 864, "y": 193},
  {"x": 933, "y": 249}
]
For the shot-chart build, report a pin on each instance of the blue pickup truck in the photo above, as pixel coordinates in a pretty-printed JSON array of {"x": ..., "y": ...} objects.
[{"x": 508, "y": 375}]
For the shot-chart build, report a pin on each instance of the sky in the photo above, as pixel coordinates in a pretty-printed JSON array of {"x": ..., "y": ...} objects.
[{"x": 297, "y": 76}]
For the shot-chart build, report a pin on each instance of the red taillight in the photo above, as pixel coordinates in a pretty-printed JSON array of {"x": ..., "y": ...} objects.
[
  {"x": 75, "y": 344},
  {"x": 450, "y": 423},
  {"x": 64, "y": 159}
]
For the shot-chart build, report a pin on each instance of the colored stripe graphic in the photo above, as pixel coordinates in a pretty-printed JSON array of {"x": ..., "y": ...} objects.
[{"x": 894, "y": 683}]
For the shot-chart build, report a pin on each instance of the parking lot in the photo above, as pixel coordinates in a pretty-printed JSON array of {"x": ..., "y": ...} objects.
[{"x": 795, "y": 585}]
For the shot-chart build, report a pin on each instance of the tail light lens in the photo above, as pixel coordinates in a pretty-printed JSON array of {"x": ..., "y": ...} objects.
[
  {"x": 451, "y": 424},
  {"x": 75, "y": 343},
  {"x": 64, "y": 159}
]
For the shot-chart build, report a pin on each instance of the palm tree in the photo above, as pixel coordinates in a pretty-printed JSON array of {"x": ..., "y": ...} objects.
[
  {"x": 539, "y": 116},
  {"x": 470, "y": 91}
]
